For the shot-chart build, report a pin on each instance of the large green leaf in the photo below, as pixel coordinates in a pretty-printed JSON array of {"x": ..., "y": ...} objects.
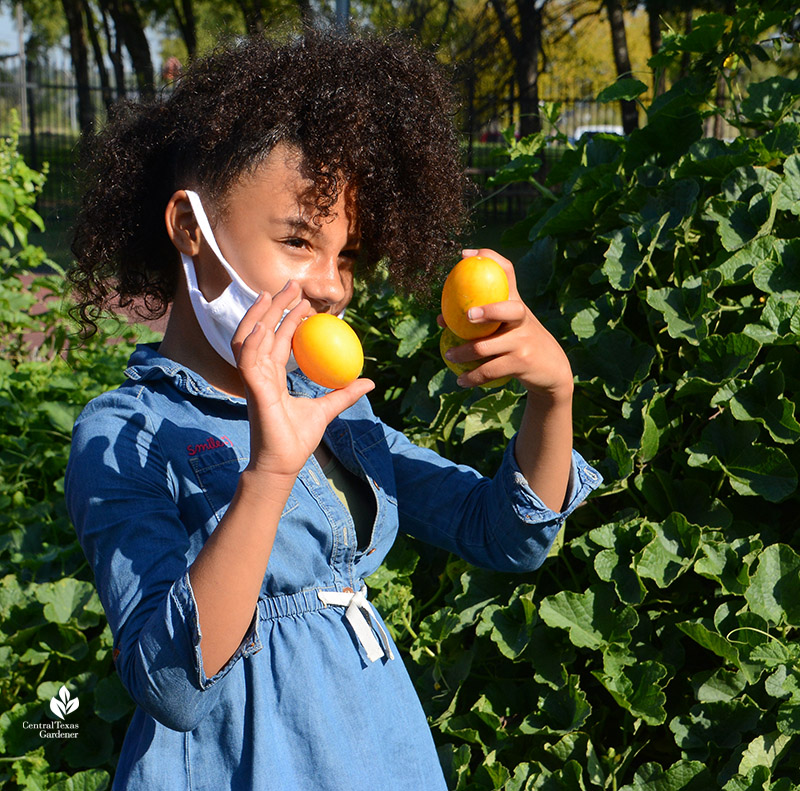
[
  {"x": 511, "y": 626},
  {"x": 614, "y": 563},
  {"x": 69, "y": 599},
  {"x": 687, "y": 310},
  {"x": 563, "y": 710},
  {"x": 615, "y": 359},
  {"x": 623, "y": 259},
  {"x": 774, "y": 590},
  {"x": 752, "y": 469},
  {"x": 590, "y": 617},
  {"x": 770, "y": 99},
  {"x": 671, "y": 551},
  {"x": 714, "y": 725},
  {"x": 626, "y": 88},
  {"x": 766, "y": 750},
  {"x": 713, "y": 641},
  {"x": 780, "y": 273},
  {"x": 762, "y": 399},
  {"x": 681, "y": 776},
  {"x": 637, "y": 689}
]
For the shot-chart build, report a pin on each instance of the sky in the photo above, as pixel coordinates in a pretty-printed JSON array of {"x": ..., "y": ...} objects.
[{"x": 8, "y": 32}]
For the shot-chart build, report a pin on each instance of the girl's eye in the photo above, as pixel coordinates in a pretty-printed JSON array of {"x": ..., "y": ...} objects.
[{"x": 298, "y": 243}]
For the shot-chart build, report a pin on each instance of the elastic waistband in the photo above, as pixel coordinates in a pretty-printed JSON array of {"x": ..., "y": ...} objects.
[{"x": 270, "y": 607}]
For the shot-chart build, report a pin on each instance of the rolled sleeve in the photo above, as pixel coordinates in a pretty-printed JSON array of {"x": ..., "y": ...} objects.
[
  {"x": 163, "y": 666},
  {"x": 184, "y": 600},
  {"x": 583, "y": 480},
  {"x": 498, "y": 523}
]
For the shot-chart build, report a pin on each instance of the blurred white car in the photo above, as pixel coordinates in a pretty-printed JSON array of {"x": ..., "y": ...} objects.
[{"x": 595, "y": 129}]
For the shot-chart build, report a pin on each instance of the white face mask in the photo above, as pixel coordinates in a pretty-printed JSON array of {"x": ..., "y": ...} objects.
[{"x": 219, "y": 318}]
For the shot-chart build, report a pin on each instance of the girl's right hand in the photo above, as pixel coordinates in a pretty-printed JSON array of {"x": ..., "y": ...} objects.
[{"x": 284, "y": 430}]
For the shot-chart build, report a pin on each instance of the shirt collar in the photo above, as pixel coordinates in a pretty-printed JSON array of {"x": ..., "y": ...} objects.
[{"x": 147, "y": 363}]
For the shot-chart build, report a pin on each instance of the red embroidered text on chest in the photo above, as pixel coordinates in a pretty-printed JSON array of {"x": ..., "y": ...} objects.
[{"x": 211, "y": 443}]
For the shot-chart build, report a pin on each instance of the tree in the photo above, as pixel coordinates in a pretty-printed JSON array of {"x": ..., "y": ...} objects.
[
  {"x": 129, "y": 25},
  {"x": 185, "y": 18},
  {"x": 97, "y": 49},
  {"x": 522, "y": 32},
  {"x": 655, "y": 9},
  {"x": 619, "y": 43},
  {"x": 79, "y": 54}
]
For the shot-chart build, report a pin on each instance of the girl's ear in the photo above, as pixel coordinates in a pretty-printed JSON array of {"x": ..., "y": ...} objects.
[{"x": 182, "y": 224}]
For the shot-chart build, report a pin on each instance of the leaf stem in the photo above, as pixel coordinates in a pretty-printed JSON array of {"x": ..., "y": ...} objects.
[
  {"x": 414, "y": 635},
  {"x": 443, "y": 580},
  {"x": 42, "y": 672}
]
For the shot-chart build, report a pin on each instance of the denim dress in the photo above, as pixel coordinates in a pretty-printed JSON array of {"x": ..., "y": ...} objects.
[{"x": 316, "y": 696}]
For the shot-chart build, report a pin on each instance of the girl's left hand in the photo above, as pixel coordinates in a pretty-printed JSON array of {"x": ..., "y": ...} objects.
[{"x": 520, "y": 347}]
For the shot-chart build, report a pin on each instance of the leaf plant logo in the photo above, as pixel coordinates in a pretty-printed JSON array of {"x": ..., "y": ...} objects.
[{"x": 63, "y": 703}]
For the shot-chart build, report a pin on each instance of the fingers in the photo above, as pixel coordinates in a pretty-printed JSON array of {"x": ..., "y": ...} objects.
[
  {"x": 267, "y": 311},
  {"x": 248, "y": 350},
  {"x": 510, "y": 312},
  {"x": 288, "y": 326},
  {"x": 480, "y": 349},
  {"x": 255, "y": 313}
]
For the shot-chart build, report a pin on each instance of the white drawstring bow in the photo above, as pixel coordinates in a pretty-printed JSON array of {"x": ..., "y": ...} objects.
[{"x": 363, "y": 618}]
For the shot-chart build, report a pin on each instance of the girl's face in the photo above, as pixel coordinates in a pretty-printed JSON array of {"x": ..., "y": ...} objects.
[{"x": 268, "y": 234}]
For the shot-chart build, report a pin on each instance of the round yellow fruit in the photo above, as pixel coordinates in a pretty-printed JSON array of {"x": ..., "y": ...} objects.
[
  {"x": 328, "y": 351},
  {"x": 447, "y": 340},
  {"x": 472, "y": 282}
]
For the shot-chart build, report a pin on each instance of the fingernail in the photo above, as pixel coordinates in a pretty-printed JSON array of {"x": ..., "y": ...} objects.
[
  {"x": 468, "y": 253},
  {"x": 460, "y": 382},
  {"x": 474, "y": 314},
  {"x": 449, "y": 355}
]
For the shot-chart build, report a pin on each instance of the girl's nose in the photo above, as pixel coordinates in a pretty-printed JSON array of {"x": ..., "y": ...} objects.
[{"x": 326, "y": 283}]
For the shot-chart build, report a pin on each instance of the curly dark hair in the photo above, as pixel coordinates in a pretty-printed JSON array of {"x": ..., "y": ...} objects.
[{"x": 374, "y": 112}]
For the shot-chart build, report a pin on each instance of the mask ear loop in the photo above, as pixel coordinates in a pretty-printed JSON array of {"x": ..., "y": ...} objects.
[{"x": 208, "y": 235}]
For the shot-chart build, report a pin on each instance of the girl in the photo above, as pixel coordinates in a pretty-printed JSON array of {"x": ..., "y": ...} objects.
[{"x": 230, "y": 508}]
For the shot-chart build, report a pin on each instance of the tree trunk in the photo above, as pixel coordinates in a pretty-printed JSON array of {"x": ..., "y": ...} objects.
[
  {"x": 654, "y": 31},
  {"x": 527, "y": 74},
  {"x": 686, "y": 57},
  {"x": 184, "y": 15},
  {"x": 30, "y": 79},
  {"x": 527, "y": 58},
  {"x": 525, "y": 49},
  {"x": 80, "y": 62},
  {"x": 105, "y": 85},
  {"x": 114, "y": 46},
  {"x": 719, "y": 100},
  {"x": 253, "y": 18},
  {"x": 130, "y": 29},
  {"x": 622, "y": 61}
]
